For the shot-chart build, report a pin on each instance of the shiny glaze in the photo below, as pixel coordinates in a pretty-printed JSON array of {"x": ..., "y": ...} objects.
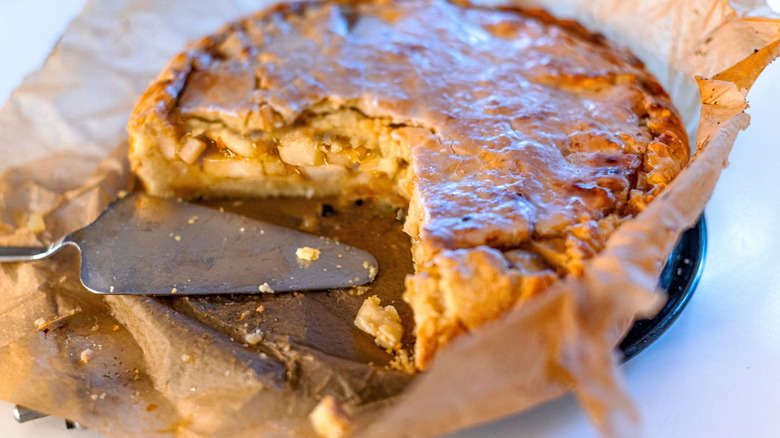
[{"x": 536, "y": 124}]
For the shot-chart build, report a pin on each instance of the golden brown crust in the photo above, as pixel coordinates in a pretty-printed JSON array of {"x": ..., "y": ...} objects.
[{"x": 524, "y": 140}]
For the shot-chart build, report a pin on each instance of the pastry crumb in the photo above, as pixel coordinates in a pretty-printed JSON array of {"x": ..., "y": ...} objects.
[
  {"x": 383, "y": 323},
  {"x": 260, "y": 309},
  {"x": 358, "y": 290},
  {"x": 372, "y": 271},
  {"x": 173, "y": 291},
  {"x": 86, "y": 356},
  {"x": 186, "y": 358},
  {"x": 254, "y": 337},
  {"x": 307, "y": 253},
  {"x": 403, "y": 361},
  {"x": 265, "y": 288},
  {"x": 192, "y": 220},
  {"x": 40, "y": 324},
  {"x": 329, "y": 419}
]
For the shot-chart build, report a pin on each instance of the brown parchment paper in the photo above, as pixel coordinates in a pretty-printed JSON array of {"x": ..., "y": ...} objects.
[{"x": 63, "y": 146}]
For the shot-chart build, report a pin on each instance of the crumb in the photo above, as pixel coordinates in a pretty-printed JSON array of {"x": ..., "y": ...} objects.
[
  {"x": 260, "y": 309},
  {"x": 307, "y": 253},
  {"x": 192, "y": 220},
  {"x": 329, "y": 419},
  {"x": 111, "y": 289},
  {"x": 115, "y": 328},
  {"x": 254, "y": 337},
  {"x": 265, "y": 288},
  {"x": 86, "y": 356},
  {"x": 372, "y": 271},
  {"x": 93, "y": 397},
  {"x": 186, "y": 358},
  {"x": 121, "y": 194},
  {"x": 358, "y": 290},
  {"x": 40, "y": 324},
  {"x": 383, "y": 323},
  {"x": 177, "y": 238},
  {"x": 244, "y": 315},
  {"x": 173, "y": 291},
  {"x": 403, "y": 361},
  {"x": 242, "y": 229}
]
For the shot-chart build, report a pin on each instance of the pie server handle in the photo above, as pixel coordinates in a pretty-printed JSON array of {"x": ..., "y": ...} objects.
[{"x": 31, "y": 253}]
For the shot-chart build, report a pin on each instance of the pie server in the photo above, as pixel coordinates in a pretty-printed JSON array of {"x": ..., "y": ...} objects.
[{"x": 147, "y": 245}]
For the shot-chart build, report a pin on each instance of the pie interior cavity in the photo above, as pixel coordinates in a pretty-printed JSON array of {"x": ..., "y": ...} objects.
[{"x": 520, "y": 141}]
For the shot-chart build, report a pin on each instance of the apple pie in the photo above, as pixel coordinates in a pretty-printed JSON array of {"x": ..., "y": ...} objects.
[{"x": 519, "y": 141}]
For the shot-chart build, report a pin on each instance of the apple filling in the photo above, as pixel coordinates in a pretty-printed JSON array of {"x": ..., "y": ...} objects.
[{"x": 316, "y": 148}]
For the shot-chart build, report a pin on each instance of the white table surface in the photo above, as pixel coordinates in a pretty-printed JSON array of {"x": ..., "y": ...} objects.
[{"x": 715, "y": 373}]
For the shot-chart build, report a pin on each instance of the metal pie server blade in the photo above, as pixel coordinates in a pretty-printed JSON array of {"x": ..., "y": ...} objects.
[{"x": 152, "y": 246}]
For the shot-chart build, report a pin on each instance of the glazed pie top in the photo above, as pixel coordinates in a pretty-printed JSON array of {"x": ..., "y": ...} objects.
[{"x": 519, "y": 140}]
